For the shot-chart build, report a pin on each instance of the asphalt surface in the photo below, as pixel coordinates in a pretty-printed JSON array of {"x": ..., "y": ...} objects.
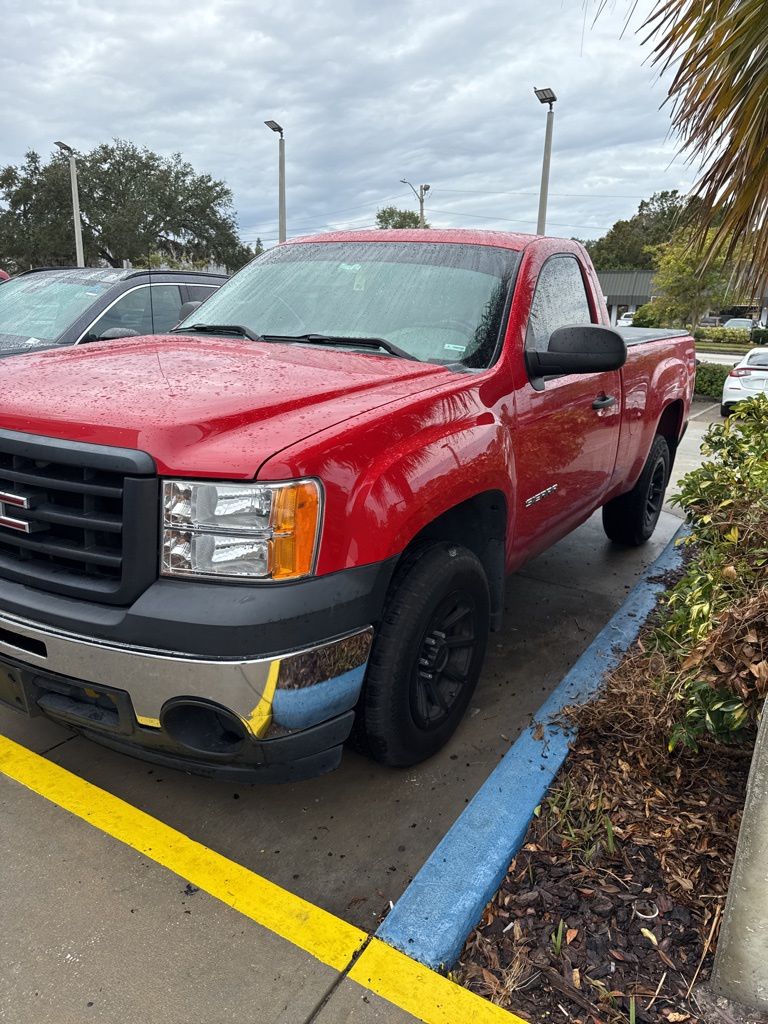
[{"x": 348, "y": 842}]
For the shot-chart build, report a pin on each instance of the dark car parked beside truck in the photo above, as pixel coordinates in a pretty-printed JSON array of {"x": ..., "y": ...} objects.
[
  {"x": 53, "y": 307},
  {"x": 230, "y": 548}
]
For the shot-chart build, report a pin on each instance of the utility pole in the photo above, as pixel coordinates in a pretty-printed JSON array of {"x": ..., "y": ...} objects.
[
  {"x": 280, "y": 179},
  {"x": 423, "y": 189},
  {"x": 545, "y": 96},
  {"x": 75, "y": 202},
  {"x": 740, "y": 971}
]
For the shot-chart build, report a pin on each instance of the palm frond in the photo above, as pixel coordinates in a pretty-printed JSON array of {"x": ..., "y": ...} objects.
[{"x": 717, "y": 53}]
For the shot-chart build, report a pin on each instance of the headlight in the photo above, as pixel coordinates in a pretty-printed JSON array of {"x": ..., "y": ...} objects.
[{"x": 241, "y": 531}]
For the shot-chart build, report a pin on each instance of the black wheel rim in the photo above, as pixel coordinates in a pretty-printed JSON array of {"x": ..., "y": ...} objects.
[
  {"x": 655, "y": 498},
  {"x": 445, "y": 660}
]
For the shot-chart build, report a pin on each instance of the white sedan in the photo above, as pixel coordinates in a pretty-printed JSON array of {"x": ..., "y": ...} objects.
[{"x": 748, "y": 377}]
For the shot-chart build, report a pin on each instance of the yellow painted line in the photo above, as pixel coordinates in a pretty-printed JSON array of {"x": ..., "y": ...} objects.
[
  {"x": 324, "y": 936},
  {"x": 428, "y": 996}
]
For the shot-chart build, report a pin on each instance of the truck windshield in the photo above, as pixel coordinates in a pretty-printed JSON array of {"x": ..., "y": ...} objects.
[
  {"x": 439, "y": 302},
  {"x": 36, "y": 310}
]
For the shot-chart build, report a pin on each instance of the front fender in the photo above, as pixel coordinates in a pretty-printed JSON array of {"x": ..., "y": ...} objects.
[{"x": 388, "y": 475}]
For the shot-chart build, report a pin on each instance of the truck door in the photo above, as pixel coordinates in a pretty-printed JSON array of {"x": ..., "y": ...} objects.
[{"x": 567, "y": 431}]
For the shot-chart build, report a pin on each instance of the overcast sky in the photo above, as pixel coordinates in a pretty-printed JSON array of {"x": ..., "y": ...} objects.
[{"x": 368, "y": 93}]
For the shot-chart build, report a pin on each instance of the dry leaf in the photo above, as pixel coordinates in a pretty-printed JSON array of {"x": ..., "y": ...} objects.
[
  {"x": 649, "y": 935},
  {"x": 570, "y": 935}
]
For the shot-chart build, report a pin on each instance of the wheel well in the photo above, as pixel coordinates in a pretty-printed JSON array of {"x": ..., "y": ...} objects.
[
  {"x": 669, "y": 426},
  {"x": 479, "y": 524}
]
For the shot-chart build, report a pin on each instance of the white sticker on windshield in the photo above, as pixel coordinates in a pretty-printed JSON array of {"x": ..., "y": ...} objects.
[{"x": 455, "y": 348}]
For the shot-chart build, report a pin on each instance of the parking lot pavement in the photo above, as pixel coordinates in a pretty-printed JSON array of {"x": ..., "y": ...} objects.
[
  {"x": 703, "y": 413},
  {"x": 92, "y": 930},
  {"x": 348, "y": 842}
]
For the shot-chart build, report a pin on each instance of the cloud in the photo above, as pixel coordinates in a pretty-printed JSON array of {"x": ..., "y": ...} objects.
[{"x": 368, "y": 93}]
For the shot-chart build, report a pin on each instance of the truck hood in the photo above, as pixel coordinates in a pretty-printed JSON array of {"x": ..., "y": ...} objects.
[{"x": 200, "y": 406}]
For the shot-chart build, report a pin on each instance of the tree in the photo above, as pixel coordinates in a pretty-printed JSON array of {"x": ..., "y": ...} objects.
[
  {"x": 392, "y": 217},
  {"x": 133, "y": 203},
  {"x": 626, "y": 245},
  {"x": 718, "y": 53},
  {"x": 684, "y": 290}
]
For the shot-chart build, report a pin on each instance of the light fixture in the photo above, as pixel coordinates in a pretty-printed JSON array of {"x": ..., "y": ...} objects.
[{"x": 545, "y": 95}]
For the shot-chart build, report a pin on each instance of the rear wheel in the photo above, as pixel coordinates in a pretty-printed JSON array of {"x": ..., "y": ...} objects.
[
  {"x": 631, "y": 518},
  {"x": 426, "y": 656},
  {"x": 725, "y": 410}
]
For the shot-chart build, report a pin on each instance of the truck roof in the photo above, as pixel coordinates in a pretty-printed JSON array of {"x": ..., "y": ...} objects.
[{"x": 469, "y": 236}]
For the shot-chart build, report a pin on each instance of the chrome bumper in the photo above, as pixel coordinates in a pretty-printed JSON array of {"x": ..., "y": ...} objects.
[{"x": 294, "y": 689}]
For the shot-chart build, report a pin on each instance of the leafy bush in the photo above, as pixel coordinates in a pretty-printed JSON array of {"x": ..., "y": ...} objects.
[
  {"x": 723, "y": 335},
  {"x": 760, "y": 336},
  {"x": 710, "y": 378},
  {"x": 646, "y": 316},
  {"x": 717, "y": 614}
]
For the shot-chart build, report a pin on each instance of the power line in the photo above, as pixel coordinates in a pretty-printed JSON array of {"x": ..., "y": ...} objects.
[
  {"x": 569, "y": 195},
  {"x": 511, "y": 220}
]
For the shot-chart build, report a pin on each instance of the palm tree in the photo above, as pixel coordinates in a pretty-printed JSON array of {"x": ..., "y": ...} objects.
[
  {"x": 717, "y": 51},
  {"x": 719, "y": 92}
]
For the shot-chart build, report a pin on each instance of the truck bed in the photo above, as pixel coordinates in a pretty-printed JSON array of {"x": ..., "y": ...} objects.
[{"x": 639, "y": 335}]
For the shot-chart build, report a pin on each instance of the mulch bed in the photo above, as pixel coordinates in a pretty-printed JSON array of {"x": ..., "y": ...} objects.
[{"x": 611, "y": 909}]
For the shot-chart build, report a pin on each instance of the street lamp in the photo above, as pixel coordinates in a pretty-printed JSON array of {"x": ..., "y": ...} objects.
[
  {"x": 545, "y": 96},
  {"x": 75, "y": 202},
  {"x": 423, "y": 189},
  {"x": 281, "y": 180}
]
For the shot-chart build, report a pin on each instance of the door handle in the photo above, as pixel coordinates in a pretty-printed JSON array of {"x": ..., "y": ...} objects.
[{"x": 604, "y": 402}]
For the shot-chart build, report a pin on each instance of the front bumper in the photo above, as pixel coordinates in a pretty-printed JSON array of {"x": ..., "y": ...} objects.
[{"x": 277, "y": 711}]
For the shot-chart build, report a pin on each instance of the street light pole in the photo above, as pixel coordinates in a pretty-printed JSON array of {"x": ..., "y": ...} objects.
[
  {"x": 423, "y": 189},
  {"x": 75, "y": 202},
  {"x": 281, "y": 179},
  {"x": 545, "y": 96}
]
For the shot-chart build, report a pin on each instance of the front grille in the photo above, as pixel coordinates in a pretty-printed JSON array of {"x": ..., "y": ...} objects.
[{"x": 92, "y": 515}]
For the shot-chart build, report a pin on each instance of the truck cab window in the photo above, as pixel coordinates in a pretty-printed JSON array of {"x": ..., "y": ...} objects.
[{"x": 560, "y": 299}]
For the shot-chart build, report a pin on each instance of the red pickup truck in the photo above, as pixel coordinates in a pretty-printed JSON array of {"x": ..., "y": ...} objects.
[{"x": 230, "y": 548}]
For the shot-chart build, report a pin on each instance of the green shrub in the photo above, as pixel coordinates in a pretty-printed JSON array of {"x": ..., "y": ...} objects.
[
  {"x": 714, "y": 613},
  {"x": 760, "y": 336},
  {"x": 646, "y": 316},
  {"x": 710, "y": 378},
  {"x": 723, "y": 335}
]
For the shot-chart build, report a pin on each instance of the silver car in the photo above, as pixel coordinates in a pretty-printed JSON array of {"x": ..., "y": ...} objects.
[{"x": 748, "y": 378}]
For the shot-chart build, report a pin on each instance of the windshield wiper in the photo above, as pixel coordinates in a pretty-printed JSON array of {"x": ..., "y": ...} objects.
[
  {"x": 344, "y": 341},
  {"x": 218, "y": 329}
]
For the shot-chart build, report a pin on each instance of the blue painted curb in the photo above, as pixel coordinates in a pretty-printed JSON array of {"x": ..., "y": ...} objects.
[{"x": 446, "y": 898}]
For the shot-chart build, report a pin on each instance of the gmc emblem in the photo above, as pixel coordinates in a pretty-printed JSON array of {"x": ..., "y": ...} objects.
[{"x": 15, "y": 501}]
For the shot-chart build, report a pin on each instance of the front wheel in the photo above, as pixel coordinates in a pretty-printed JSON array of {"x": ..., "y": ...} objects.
[
  {"x": 631, "y": 518},
  {"x": 426, "y": 657}
]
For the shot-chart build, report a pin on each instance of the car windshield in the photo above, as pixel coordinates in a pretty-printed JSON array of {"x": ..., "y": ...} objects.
[
  {"x": 739, "y": 324},
  {"x": 438, "y": 302},
  {"x": 758, "y": 359},
  {"x": 36, "y": 309}
]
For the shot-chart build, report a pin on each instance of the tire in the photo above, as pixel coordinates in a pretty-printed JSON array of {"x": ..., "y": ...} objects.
[
  {"x": 725, "y": 410},
  {"x": 631, "y": 518},
  {"x": 426, "y": 656}
]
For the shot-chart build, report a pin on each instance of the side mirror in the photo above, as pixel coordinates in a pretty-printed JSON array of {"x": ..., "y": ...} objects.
[
  {"x": 117, "y": 332},
  {"x": 186, "y": 309},
  {"x": 583, "y": 348}
]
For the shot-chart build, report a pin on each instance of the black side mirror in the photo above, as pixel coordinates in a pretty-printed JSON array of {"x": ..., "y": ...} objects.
[
  {"x": 583, "y": 348},
  {"x": 186, "y": 309}
]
